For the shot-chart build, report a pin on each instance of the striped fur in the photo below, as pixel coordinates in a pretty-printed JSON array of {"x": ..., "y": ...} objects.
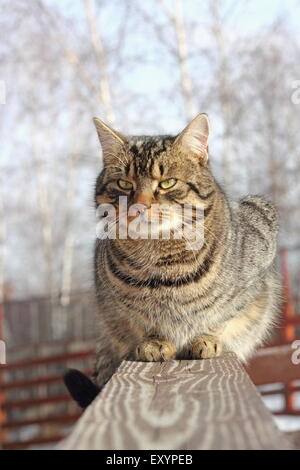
[{"x": 157, "y": 299}]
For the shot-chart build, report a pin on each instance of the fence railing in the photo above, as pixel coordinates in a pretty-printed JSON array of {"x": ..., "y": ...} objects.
[{"x": 28, "y": 402}]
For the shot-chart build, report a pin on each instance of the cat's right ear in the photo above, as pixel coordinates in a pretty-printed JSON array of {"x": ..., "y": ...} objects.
[
  {"x": 194, "y": 138},
  {"x": 112, "y": 142}
]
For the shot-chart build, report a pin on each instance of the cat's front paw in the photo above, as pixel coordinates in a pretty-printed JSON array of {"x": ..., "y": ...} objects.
[
  {"x": 205, "y": 347},
  {"x": 155, "y": 350}
]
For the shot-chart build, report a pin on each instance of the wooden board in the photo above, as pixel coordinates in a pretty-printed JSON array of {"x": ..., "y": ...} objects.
[{"x": 186, "y": 405}]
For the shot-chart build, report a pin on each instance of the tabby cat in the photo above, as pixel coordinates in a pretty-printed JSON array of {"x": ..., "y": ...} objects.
[{"x": 158, "y": 299}]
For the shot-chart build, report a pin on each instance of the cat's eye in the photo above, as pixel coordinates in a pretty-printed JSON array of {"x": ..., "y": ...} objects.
[
  {"x": 167, "y": 184},
  {"x": 125, "y": 184}
]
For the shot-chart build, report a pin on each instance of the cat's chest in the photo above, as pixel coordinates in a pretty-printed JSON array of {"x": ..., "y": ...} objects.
[{"x": 177, "y": 323}]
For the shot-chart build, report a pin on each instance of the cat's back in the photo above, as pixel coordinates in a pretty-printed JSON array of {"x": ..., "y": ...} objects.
[
  {"x": 256, "y": 228},
  {"x": 259, "y": 210}
]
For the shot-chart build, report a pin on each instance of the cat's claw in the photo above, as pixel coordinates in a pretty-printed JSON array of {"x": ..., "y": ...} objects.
[
  {"x": 205, "y": 347},
  {"x": 155, "y": 350}
]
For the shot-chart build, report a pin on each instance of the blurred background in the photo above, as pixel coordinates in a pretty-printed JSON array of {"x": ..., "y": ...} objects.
[{"x": 145, "y": 68}]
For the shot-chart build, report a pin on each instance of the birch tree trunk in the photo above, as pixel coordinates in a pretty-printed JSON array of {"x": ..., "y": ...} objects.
[
  {"x": 223, "y": 88},
  {"x": 181, "y": 55},
  {"x": 44, "y": 214},
  {"x": 105, "y": 94},
  {"x": 68, "y": 250},
  {"x": 2, "y": 246}
]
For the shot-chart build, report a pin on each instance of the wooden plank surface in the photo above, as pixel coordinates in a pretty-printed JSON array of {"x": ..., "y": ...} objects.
[{"x": 186, "y": 405}]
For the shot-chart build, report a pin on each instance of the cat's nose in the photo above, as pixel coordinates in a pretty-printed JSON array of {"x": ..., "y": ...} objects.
[{"x": 144, "y": 200}]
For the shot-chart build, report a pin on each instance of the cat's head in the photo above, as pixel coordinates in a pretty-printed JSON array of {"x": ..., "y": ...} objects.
[{"x": 155, "y": 172}]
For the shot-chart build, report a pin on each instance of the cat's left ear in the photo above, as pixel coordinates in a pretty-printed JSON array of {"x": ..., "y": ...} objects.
[{"x": 194, "y": 138}]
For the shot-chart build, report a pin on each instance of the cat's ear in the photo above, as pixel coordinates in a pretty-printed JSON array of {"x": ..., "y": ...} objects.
[
  {"x": 194, "y": 138},
  {"x": 112, "y": 142}
]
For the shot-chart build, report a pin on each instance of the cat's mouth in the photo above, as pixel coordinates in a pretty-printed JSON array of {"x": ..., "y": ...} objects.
[
  {"x": 157, "y": 221},
  {"x": 160, "y": 221},
  {"x": 154, "y": 220}
]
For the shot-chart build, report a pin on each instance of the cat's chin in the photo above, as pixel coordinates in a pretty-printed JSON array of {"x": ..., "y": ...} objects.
[{"x": 147, "y": 229}]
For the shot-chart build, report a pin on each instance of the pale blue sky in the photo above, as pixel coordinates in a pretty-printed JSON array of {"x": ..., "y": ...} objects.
[{"x": 251, "y": 14}]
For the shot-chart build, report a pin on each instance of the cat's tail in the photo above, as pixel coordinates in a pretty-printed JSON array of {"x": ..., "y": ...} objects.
[{"x": 80, "y": 387}]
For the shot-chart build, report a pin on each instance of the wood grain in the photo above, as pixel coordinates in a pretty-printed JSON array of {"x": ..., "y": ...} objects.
[{"x": 186, "y": 405}]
